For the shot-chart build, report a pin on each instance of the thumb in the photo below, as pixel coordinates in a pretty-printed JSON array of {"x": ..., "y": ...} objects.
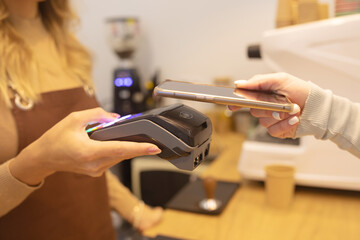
[
  {"x": 94, "y": 115},
  {"x": 124, "y": 149},
  {"x": 263, "y": 82}
]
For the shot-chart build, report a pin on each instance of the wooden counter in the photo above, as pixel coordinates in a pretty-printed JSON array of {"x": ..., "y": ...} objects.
[{"x": 314, "y": 214}]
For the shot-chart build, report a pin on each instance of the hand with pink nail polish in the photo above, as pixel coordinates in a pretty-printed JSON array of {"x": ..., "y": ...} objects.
[
  {"x": 72, "y": 150},
  {"x": 279, "y": 124}
]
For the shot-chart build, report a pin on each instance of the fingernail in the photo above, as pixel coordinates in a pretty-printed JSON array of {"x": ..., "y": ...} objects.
[
  {"x": 240, "y": 82},
  {"x": 276, "y": 115},
  {"x": 153, "y": 150},
  {"x": 293, "y": 120},
  {"x": 115, "y": 115},
  {"x": 295, "y": 110}
]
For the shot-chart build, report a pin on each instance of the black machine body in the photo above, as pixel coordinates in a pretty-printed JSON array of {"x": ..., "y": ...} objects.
[{"x": 182, "y": 133}]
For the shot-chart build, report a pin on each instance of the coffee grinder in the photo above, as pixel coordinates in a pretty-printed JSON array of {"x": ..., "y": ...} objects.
[{"x": 123, "y": 35}]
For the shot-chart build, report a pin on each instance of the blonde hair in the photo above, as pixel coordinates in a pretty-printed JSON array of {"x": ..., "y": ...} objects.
[{"x": 16, "y": 58}]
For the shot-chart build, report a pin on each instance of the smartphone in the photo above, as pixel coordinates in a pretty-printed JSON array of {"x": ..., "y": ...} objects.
[{"x": 224, "y": 95}]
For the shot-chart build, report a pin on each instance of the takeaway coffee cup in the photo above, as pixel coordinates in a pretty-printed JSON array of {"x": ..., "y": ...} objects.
[{"x": 279, "y": 185}]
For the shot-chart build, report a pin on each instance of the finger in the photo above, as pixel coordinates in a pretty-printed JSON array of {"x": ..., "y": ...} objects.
[
  {"x": 263, "y": 82},
  {"x": 285, "y": 128},
  {"x": 123, "y": 149},
  {"x": 234, "y": 108},
  {"x": 108, "y": 163},
  {"x": 259, "y": 113},
  {"x": 277, "y": 115},
  {"x": 82, "y": 118},
  {"x": 267, "y": 122},
  {"x": 97, "y": 167}
]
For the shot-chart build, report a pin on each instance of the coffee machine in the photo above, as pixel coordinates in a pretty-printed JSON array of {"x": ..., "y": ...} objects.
[
  {"x": 123, "y": 37},
  {"x": 327, "y": 53}
]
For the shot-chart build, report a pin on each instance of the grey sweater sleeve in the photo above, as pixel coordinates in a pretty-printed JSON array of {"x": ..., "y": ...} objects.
[{"x": 327, "y": 116}]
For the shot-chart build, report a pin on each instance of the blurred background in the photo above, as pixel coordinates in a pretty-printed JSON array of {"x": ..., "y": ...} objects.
[{"x": 183, "y": 40}]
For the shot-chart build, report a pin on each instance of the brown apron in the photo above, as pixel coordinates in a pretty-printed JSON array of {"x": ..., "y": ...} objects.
[{"x": 68, "y": 205}]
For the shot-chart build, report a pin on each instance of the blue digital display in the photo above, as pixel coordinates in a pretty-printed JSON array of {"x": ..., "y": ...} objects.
[{"x": 123, "y": 82}]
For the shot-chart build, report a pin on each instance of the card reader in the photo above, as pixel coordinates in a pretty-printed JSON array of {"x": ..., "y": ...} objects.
[{"x": 182, "y": 133}]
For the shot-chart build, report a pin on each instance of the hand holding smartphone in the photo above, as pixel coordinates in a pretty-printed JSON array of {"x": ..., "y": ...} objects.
[{"x": 224, "y": 95}]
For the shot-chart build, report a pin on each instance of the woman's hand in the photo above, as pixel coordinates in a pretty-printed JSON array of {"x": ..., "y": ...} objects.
[
  {"x": 67, "y": 147},
  {"x": 279, "y": 124}
]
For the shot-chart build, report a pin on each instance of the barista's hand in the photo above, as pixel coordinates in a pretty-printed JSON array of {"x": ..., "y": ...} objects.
[
  {"x": 67, "y": 147},
  {"x": 151, "y": 216},
  {"x": 279, "y": 124}
]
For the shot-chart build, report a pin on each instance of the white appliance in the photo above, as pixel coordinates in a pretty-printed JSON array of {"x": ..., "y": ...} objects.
[{"x": 327, "y": 53}]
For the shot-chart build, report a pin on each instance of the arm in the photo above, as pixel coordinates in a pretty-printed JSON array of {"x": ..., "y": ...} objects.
[
  {"x": 12, "y": 191},
  {"x": 327, "y": 116},
  {"x": 121, "y": 199},
  {"x": 129, "y": 207}
]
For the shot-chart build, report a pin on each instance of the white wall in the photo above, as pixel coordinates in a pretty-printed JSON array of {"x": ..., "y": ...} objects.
[{"x": 186, "y": 39}]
